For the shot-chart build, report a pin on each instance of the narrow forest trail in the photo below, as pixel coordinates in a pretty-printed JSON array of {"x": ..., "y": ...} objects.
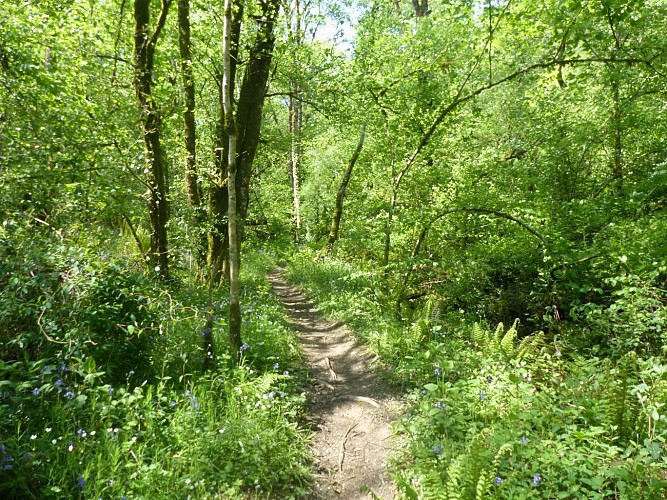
[{"x": 350, "y": 407}]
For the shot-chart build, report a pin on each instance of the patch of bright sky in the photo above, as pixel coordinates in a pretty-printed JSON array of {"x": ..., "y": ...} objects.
[{"x": 340, "y": 29}]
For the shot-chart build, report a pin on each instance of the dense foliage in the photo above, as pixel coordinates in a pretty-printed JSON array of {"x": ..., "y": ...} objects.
[
  {"x": 513, "y": 168},
  {"x": 495, "y": 415}
]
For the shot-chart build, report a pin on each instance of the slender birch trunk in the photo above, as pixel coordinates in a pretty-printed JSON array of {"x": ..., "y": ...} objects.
[{"x": 234, "y": 250}]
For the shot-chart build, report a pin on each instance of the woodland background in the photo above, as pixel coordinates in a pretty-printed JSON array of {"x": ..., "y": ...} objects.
[{"x": 439, "y": 169}]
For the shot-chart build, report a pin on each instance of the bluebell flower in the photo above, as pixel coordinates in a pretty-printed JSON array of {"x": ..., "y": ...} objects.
[
  {"x": 524, "y": 440},
  {"x": 46, "y": 369},
  {"x": 172, "y": 404},
  {"x": 244, "y": 347},
  {"x": 81, "y": 433},
  {"x": 80, "y": 482},
  {"x": 498, "y": 480},
  {"x": 256, "y": 439},
  {"x": 440, "y": 405},
  {"x": 35, "y": 392},
  {"x": 110, "y": 390},
  {"x": 193, "y": 402},
  {"x": 59, "y": 383},
  {"x": 6, "y": 459},
  {"x": 489, "y": 379},
  {"x": 536, "y": 479},
  {"x": 276, "y": 366},
  {"x": 131, "y": 373},
  {"x": 438, "y": 449},
  {"x": 69, "y": 394},
  {"x": 482, "y": 395}
]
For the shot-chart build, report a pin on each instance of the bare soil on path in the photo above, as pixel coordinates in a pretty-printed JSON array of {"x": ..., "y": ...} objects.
[{"x": 350, "y": 407}]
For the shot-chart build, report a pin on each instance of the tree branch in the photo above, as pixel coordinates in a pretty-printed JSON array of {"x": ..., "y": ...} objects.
[
  {"x": 497, "y": 213},
  {"x": 158, "y": 28}
]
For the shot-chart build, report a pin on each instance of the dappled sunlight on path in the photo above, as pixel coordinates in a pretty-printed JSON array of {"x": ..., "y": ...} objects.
[{"x": 351, "y": 409}]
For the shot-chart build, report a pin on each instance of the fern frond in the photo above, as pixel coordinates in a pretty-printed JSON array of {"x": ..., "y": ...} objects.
[
  {"x": 620, "y": 407},
  {"x": 263, "y": 383},
  {"x": 453, "y": 487},
  {"x": 479, "y": 336},
  {"x": 530, "y": 347},
  {"x": 507, "y": 343},
  {"x": 485, "y": 480},
  {"x": 497, "y": 337}
]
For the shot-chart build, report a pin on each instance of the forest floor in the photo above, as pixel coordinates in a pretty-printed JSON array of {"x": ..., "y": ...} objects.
[{"x": 350, "y": 407}]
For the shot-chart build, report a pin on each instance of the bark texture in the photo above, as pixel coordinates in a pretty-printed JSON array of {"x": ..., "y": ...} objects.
[
  {"x": 192, "y": 189},
  {"x": 248, "y": 123},
  {"x": 230, "y": 128},
  {"x": 156, "y": 173},
  {"x": 251, "y": 100}
]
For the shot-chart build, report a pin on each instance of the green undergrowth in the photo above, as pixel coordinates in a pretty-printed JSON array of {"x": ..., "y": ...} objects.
[
  {"x": 110, "y": 401},
  {"x": 494, "y": 415},
  {"x": 345, "y": 292}
]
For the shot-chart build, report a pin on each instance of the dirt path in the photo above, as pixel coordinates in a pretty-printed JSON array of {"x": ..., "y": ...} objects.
[{"x": 351, "y": 409}]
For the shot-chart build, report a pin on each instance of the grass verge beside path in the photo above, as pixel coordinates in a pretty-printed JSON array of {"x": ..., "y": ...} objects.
[
  {"x": 75, "y": 425},
  {"x": 492, "y": 415}
]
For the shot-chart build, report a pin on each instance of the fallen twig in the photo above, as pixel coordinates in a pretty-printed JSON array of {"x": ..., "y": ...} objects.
[
  {"x": 324, "y": 384},
  {"x": 341, "y": 454},
  {"x": 332, "y": 373}
]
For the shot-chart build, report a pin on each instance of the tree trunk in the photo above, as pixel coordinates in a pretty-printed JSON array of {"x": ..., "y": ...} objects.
[
  {"x": 338, "y": 210},
  {"x": 248, "y": 125},
  {"x": 295, "y": 113},
  {"x": 192, "y": 190},
  {"x": 295, "y": 118},
  {"x": 218, "y": 237},
  {"x": 218, "y": 201},
  {"x": 234, "y": 245},
  {"x": 388, "y": 228},
  {"x": 420, "y": 8},
  {"x": 251, "y": 102},
  {"x": 144, "y": 50},
  {"x": 618, "y": 137}
]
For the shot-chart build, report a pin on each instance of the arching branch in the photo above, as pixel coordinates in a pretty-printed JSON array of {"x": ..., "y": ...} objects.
[{"x": 497, "y": 213}]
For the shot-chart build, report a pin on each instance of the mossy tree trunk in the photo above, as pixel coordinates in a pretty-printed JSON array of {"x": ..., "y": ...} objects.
[{"x": 156, "y": 173}]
